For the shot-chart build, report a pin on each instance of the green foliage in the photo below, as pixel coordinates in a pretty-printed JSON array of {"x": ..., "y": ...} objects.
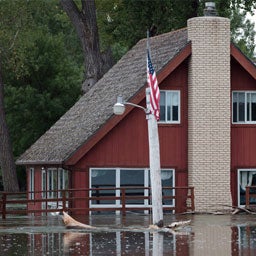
[
  {"x": 42, "y": 67},
  {"x": 123, "y": 22},
  {"x": 42, "y": 58},
  {"x": 242, "y": 29},
  {"x": 42, "y": 61}
]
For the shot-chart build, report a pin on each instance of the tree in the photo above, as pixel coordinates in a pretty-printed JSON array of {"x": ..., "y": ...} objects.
[
  {"x": 42, "y": 69},
  {"x": 123, "y": 23},
  {"x": 128, "y": 21},
  {"x": 9, "y": 176},
  {"x": 42, "y": 58},
  {"x": 85, "y": 23}
]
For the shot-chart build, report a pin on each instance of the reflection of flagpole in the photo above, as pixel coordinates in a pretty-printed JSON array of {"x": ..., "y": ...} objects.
[
  {"x": 158, "y": 240},
  {"x": 154, "y": 158}
]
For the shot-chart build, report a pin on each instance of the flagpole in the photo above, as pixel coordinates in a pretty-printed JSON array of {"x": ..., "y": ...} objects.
[
  {"x": 154, "y": 159},
  {"x": 152, "y": 115}
]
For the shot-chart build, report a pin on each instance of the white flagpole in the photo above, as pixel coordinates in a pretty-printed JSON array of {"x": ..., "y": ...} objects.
[{"x": 154, "y": 160}]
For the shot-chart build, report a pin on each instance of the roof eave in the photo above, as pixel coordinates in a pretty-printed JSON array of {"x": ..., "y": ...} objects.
[
  {"x": 246, "y": 63},
  {"x": 39, "y": 162},
  {"x": 184, "y": 53}
]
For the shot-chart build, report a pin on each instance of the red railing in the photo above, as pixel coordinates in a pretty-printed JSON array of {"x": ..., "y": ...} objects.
[
  {"x": 250, "y": 192},
  {"x": 74, "y": 200}
]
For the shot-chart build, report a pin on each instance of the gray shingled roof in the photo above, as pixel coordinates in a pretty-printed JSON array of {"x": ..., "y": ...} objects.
[{"x": 94, "y": 109}]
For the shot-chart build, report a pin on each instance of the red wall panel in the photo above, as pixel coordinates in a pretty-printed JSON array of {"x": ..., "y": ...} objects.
[
  {"x": 240, "y": 79},
  {"x": 243, "y": 136},
  {"x": 127, "y": 144}
]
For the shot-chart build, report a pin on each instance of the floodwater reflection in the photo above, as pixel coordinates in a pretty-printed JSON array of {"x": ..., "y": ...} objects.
[{"x": 207, "y": 235}]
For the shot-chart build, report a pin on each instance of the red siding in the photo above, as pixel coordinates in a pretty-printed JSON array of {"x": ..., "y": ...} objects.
[
  {"x": 37, "y": 187},
  {"x": 80, "y": 179},
  {"x": 243, "y": 146},
  {"x": 127, "y": 144},
  {"x": 240, "y": 79},
  {"x": 243, "y": 137}
]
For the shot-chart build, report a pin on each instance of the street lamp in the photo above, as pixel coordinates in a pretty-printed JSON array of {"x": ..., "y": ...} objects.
[
  {"x": 119, "y": 107},
  {"x": 154, "y": 155}
]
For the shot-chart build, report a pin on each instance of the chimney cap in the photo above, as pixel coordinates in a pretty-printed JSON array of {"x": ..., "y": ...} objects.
[{"x": 210, "y": 9}]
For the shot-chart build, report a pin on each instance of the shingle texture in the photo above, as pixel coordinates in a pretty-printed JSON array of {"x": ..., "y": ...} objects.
[{"x": 95, "y": 108}]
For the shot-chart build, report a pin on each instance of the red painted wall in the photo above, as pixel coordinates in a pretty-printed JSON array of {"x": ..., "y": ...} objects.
[
  {"x": 243, "y": 137},
  {"x": 37, "y": 187},
  {"x": 127, "y": 144}
]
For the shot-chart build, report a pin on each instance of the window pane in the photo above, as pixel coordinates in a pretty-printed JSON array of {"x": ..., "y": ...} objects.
[
  {"x": 167, "y": 181},
  {"x": 248, "y": 110},
  {"x": 235, "y": 98},
  {"x": 162, "y": 106},
  {"x": 103, "y": 179},
  {"x": 253, "y": 106},
  {"x": 44, "y": 187},
  {"x": 32, "y": 183},
  {"x": 169, "y": 106},
  {"x": 133, "y": 178},
  {"x": 247, "y": 178},
  {"x": 63, "y": 180},
  {"x": 241, "y": 106},
  {"x": 175, "y": 106},
  {"x": 52, "y": 183}
]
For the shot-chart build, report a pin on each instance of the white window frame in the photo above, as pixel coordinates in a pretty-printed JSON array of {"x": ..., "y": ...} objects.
[
  {"x": 179, "y": 107},
  {"x": 118, "y": 175},
  {"x": 31, "y": 183},
  {"x": 239, "y": 181},
  {"x": 48, "y": 178},
  {"x": 246, "y": 93}
]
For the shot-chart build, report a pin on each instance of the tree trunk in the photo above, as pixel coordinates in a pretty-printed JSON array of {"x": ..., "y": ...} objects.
[
  {"x": 85, "y": 24},
  {"x": 9, "y": 175}
]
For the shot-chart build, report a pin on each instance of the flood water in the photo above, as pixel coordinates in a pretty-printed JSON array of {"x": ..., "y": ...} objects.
[{"x": 207, "y": 235}]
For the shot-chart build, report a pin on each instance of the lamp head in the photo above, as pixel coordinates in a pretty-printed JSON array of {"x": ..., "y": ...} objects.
[{"x": 119, "y": 107}]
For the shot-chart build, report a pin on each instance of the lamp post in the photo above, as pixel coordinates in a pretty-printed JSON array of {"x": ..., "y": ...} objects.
[{"x": 154, "y": 156}]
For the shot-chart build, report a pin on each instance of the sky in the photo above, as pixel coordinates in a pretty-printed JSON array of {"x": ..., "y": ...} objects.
[{"x": 253, "y": 17}]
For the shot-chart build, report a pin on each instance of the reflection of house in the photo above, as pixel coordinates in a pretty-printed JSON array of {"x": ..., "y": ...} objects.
[{"x": 207, "y": 129}]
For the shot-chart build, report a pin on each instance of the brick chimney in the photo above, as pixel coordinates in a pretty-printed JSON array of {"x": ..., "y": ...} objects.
[{"x": 209, "y": 113}]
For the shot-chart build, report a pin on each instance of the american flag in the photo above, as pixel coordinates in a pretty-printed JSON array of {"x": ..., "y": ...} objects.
[{"x": 154, "y": 89}]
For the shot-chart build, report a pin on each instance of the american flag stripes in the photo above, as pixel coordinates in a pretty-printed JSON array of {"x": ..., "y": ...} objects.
[{"x": 154, "y": 89}]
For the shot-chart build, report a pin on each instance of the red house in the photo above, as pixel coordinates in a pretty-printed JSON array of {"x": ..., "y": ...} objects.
[{"x": 207, "y": 126}]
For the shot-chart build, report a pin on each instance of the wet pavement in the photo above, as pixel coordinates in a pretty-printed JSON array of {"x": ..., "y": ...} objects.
[{"x": 207, "y": 235}]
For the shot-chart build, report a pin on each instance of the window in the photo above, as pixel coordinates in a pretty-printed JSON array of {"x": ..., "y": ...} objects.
[
  {"x": 31, "y": 183},
  {"x": 244, "y": 107},
  {"x": 54, "y": 179},
  {"x": 170, "y": 106},
  {"x": 121, "y": 177},
  {"x": 246, "y": 177}
]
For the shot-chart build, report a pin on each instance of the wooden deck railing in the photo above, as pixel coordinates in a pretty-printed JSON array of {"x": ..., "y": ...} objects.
[
  {"x": 250, "y": 192},
  {"x": 70, "y": 200}
]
